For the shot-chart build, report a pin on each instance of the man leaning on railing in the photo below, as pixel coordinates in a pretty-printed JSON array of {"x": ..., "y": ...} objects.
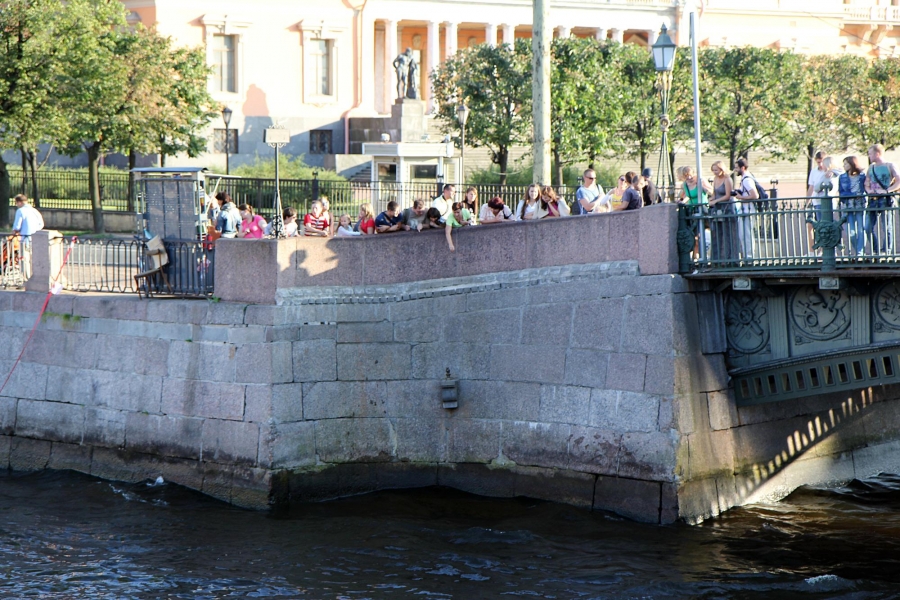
[
  {"x": 28, "y": 221},
  {"x": 882, "y": 180}
]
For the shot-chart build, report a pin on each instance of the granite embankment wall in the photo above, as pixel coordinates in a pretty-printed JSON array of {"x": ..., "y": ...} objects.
[{"x": 600, "y": 384}]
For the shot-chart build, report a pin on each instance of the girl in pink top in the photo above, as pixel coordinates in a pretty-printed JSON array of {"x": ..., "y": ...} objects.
[{"x": 252, "y": 226}]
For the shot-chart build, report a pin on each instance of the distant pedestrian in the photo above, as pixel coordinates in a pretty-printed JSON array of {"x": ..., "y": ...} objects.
[
  {"x": 587, "y": 195},
  {"x": 882, "y": 182},
  {"x": 28, "y": 221},
  {"x": 228, "y": 221}
]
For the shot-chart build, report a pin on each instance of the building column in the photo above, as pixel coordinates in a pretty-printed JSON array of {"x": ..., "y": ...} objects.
[
  {"x": 563, "y": 31},
  {"x": 509, "y": 34},
  {"x": 490, "y": 34},
  {"x": 652, "y": 34},
  {"x": 450, "y": 38},
  {"x": 600, "y": 33},
  {"x": 390, "y": 53},
  {"x": 434, "y": 59},
  {"x": 618, "y": 35},
  {"x": 367, "y": 67}
]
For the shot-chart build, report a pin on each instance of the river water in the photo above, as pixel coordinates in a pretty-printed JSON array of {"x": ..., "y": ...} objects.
[{"x": 64, "y": 535}]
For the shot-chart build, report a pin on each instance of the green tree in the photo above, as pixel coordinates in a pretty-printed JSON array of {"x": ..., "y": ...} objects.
[
  {"x": 872, "y": 110},
  {"x": 495, "y": 83},
  {"x": 748, "y": 99},
  {"x": 583, "y": 106},
  {"x": 637, "y": 94}
]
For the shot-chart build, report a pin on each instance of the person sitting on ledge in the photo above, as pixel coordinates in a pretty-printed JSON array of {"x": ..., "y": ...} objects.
[
  {"x": 495, "y": 211},
  {"x": 389, "y": 220},
  {"x": 228, "y": 221},
  {"x": 289, "y": 223},
  {"x": 413, "y": 217},
  {"x": 432, "y": 220},
  {"x": 445, "y": 200},
  {"x": 314, "y": 223},
  {"x": 458, "y": 217},
  {"x": 345, "y": 229},
  {"x": 550, "y": 205},
  {"x": 326, "y": 214},
  {"x": 632, "y": 199},
  {"x": 253, "y": 227},
  {"x": 366, "y": 223}
]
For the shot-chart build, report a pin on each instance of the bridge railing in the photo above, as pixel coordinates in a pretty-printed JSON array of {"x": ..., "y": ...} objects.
[{"x": 790, "y": 234}]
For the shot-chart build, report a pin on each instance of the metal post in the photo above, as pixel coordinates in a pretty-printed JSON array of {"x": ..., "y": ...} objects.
[
  {"x": 542, "y": 38},
  {"x": 315, "y": 185},
  {"x": 827, "y": 221},
  {"x": 277, "y": 137},
  {"x": 226, "y": 117},
  {"x": 664, "y": 60},
  {"x": 462, "y": 114}
]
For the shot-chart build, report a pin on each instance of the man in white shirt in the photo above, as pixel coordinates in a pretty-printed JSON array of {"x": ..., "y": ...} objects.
[
  {"x": 813, "y": 191},
  {"x": 589, "y": 192},
  {"x": 28, "y": 221},
  {"x": 444, "y": 202},
  {"x": 746, "y": 196}
]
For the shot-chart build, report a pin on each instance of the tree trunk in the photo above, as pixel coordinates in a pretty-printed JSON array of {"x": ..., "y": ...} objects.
[
  {"x": 557, "y": 178},
  {"x": 93, "y": 152},
  {"x": 132, "y": 163},
  {"x": 809, "y": 159},
  {"x": 24, "y": 171},
  {"x": 5, "y": 192},
  {"x": 32, "y": 166},
  {"x": 503, "y": 161}
]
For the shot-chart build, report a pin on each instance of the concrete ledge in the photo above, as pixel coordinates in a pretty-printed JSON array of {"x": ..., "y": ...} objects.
[{"x": 253, "y": 270}]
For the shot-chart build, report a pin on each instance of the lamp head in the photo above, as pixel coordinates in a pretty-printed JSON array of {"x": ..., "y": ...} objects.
[
  {"x": 226, "y": 116},
  {"x": 462, "y": 113},
  {"x": 664, "y": 51}
]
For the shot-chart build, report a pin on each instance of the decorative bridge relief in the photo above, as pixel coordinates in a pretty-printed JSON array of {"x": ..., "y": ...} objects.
[{"x": 819, "y": 315}]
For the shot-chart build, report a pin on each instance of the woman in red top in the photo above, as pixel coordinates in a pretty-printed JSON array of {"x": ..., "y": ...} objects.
[
  {"x": 366, "y": 223},
  {"x": 252, "y": 226},
  {"x": 314, "y": 223}
]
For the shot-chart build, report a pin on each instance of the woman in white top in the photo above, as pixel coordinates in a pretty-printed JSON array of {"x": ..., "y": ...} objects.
[{"x": 528, "y": 206}]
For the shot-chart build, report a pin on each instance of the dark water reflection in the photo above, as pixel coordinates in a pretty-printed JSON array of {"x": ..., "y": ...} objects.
[{"x": 69, "y": 536}]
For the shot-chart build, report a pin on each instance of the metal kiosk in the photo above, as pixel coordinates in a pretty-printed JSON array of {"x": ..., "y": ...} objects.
[{"x": 173, "y": 203}]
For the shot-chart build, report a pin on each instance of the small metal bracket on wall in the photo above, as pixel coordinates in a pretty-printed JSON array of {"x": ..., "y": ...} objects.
[{"x": 450, "y": 392}]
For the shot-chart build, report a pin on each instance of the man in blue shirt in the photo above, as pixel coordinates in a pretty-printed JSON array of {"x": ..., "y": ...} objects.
[
  {"x": 389, "y": 220},
  {"x": 28, "y": 220}
]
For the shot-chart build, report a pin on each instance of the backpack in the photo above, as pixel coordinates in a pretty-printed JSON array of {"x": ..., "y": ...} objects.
[{"x": 763, "y": 194}]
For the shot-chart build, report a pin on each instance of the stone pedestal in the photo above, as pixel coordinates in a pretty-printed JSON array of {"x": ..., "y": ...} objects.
[{"x": 408, "y": 120}]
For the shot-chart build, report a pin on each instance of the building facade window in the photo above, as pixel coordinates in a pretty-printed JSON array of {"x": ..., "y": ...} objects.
[
  {"x": 224, "y": 63},
  {"x": 322, "y": 64},
  {"x": 219, "y": 141},
  {"x": 320, "y": 141}
]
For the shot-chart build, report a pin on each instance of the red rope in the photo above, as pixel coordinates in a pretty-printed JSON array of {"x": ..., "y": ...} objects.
[{"x": 55, "y": 288}]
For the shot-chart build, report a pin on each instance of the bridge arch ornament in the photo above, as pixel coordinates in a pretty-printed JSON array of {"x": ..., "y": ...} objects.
[
  {"x": 886, "y": 303},
  {"x": 747, "y": 322},
  {"x": 819, "y": 315}
]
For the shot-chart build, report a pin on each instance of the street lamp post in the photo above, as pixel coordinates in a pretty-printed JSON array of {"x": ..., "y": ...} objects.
[
  {"x": 226, "y": 116},
  {"x": 664, "y": 60},
  {"x": 277, "y": 137},
  {"x": 462, "y": 114}
]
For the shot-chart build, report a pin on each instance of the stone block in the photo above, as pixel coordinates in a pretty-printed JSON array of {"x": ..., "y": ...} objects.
[
  {"x": 667, "y": 414},
  {"x": 465, "y": 361},
  {"x": 685, "y": 325},
  {"x": 354, "y": 440},
  {"x": 119, "y": 307},
  {"x": 659, "y": 376},
  {"x": 124, "y": 391},
  {"x": 543, "y": 364},
  {"x": 710, "y": 454},
  {"x": 487, "y": 251},
  {"x": 104, "y": 427},
  {"x": 112, "y": 464},
  {"x": 7, "y": 416},
  {"x": 217, "y": 481},
  {"x": 187, "y": 397},
  {"x": 484, "y": 327},
  {"x": 648, "y": 325},
  {"x": 598, "y": 325},
  {"x": 359, "y": 333},
  {"x": 282, "y": 333},
  {"x": 420, "y": 440},
  {"x": 317, "y": 331},
  {"x": 246, "y": 272},
  {"x": 867, "y": 462},
  {"x": 210, "y": 361},
  {"x": 594, "y": 450},
  {"x": 764, "y": 442},
  {"x": 484, "y": 480},
  {"x": 117, "y": 353},
  {"x": 344, "y": 399},
  {"x": 406, "y": 475},
  {"x": 656, "y": 249},
  {"x": 5, "y": 442},
  {"x": 225, "y": 313},
  {"x": 165, "y": 331},
  {"x": 418, "y": 330},
  {"x": 473, "y": 441},
  {"x": 315, "y": 360},
  {"x": 29, "y": 455},
  {"x": 554, "y": 485},
  {"x": 419, "y": 399},
  {"x": 178, "y": 311},
  {"x": 711, "y": 318},
  {"x": 54, "y": 421},
  {"x": 258, "y": 403},
  {"x": 361, "y": 362},
  {"x": 564, "y": 293},
  {"x": 28, "y": 380},
  {"x": 260, "y": 314},
  {"x": 309, "y": 316},
  {"x": 626, "y": 372},
  {"x": 412, "y": 310},
  {"x": 287, "y": 402},
  {"x": 624, "y": 411},
  {"x": 71, "y": 457},
  {"x": 69, "y": 385},
  {"x": 536, "y": 444},
  {"x": 11, "y": 340},
  {"x": 163, "y": 435},
  {"x": 548, "y": 324},
  {"x": 264, "y": 363},
  {"x": 292, "y": 445},
  {"x": 647, "y": 456},
  {"x": 497, "y": 299},
  {"x": 698, "y": 500},
  {"x": 499, "y": 400},
  {"x": 327, "y": 482},
  {"x": 632, "y": 498},
  {"x": 355, "y": 313},
  {"x": 565, "y": 404},
  {"x": 700, "y": 373},
  {"x": 151, "y": 357},
  {"x": 586, "y": 367},
  {"x": 230, "y": 442},
  {"x": 248, "y": 334},
  {"x": 722, "y": 410},
  {"x": 62, "y": 348},
  {"x": 98, "y": 326}
]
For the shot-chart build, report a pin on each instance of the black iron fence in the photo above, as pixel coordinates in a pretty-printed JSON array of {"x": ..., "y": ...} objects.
[{"x": 69, "y": 189}]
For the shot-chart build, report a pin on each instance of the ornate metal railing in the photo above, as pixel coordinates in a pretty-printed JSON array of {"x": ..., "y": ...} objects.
[
  {"x": 69, "y": 189},
  {"x": 789, "y": 234}
]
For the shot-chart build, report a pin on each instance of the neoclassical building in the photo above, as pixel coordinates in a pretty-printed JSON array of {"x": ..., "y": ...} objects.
[{"x": 313, "y": 65}]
